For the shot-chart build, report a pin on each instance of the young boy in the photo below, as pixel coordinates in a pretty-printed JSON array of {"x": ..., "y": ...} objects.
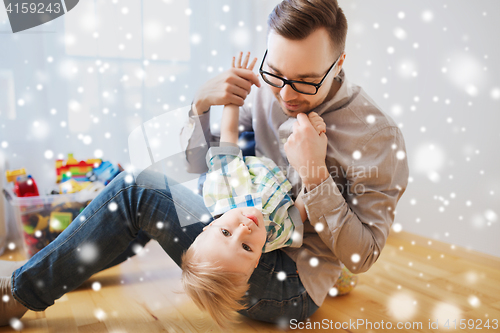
[{"x": 250, "y": 194}]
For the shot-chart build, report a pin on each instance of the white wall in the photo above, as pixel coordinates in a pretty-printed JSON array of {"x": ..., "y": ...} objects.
[
  {"x": 83, "y": 82},
  {"x": 442, "y": 87}
]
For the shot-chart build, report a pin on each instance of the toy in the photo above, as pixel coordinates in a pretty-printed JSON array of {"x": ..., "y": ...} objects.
[
  {"x": 60, "y": 221},
  {"x": 346, "y": 282},
  {"x": 72, "y": 186},
  {"x": 74, "y": 169},
  {"x": 12, "y": 175},
  {"x": 25, "y": 187},
  {"x": 43, "y": 222},
  {"x": 105, "y": 173}
]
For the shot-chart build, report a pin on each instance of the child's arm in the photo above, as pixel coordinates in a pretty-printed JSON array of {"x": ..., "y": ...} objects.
[
  {"x": 320, "y": 126},
  {"x": 230, "y": 114},
  {"x": 229, "y": 127}
]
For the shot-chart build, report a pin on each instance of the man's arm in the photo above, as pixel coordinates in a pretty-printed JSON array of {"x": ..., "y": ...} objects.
[
  {"x": 356, "y": 230},
  {"x": 230, "y": 87},
  {"x": 319, "y": 125},
  {"x": 195, "y": 137}
]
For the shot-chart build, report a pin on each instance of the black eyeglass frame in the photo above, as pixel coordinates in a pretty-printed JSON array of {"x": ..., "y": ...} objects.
[{"x": 291, "y": 82}]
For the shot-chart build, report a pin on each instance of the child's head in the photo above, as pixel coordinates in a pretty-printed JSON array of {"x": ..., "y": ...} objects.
[{"x": 217, "y": 266}]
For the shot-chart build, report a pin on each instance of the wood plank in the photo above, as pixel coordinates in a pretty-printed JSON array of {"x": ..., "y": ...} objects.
[
  {"x": 144, "y": 294},
  {"x": 469, "y": 254}
]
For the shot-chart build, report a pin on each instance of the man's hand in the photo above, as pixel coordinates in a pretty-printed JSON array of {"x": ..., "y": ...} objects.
[
  {"x": 229, "y": 87},
  {"x": 306, "y": 152}
]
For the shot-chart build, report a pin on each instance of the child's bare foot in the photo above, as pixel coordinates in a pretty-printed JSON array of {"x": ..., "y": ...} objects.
[
  {"x": 9, "y": 307},
  {"x": 317, "y": 122}
]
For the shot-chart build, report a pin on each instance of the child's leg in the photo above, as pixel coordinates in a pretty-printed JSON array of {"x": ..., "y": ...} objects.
[
  {"x": 346, "y": 282},
  {"x": 104, "y": 230}
]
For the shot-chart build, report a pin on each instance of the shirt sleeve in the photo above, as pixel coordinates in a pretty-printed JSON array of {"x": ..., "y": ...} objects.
[
  {"x": 286, "y": 228},
  {"x": 279, "y": 238},
  {"x": 195, "y": 138},
  {"x": 355, "y": 228}
]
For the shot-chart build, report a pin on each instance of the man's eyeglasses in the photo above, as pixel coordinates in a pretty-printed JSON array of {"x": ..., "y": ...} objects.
[{"x": 302, "y": 87}]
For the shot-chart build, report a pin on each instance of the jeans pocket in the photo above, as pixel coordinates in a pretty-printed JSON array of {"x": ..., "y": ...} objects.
[
  {"x": 278, "y": 312},
  {"x": 267, "y": 310},
  {"x": 310, "y": 307}
]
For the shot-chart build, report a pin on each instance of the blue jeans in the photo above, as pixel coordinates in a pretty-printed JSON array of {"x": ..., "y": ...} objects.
[{"x": 125, "y": 214}]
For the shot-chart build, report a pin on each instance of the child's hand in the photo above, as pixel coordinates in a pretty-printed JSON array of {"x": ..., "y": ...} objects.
[
  {"x": 245, "y": 62},
  {"x": 317, "y": 122}
]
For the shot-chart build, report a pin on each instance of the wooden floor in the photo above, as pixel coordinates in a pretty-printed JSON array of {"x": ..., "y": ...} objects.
[{"x": 414, "y": 281}]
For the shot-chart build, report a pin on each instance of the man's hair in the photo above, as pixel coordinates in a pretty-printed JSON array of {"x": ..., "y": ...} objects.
[
  {"x": 297, "y": 19},
  {"x": 212, "y": 289}
]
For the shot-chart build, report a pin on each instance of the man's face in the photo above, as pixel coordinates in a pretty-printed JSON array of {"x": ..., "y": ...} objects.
[{"x": 305, "y": 60}]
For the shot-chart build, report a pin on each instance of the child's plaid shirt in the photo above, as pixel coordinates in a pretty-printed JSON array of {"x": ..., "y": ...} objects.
[{"x": 236, "y": 181}]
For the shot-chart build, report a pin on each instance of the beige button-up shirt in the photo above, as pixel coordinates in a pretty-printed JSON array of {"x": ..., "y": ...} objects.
[{"x": 351, "y": 212}]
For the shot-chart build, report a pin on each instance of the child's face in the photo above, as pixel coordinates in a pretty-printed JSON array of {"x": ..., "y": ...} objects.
[{"x": 234, "y": 240}]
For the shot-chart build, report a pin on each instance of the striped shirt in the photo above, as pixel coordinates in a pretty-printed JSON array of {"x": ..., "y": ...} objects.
[{"x": 235, "y": 181}]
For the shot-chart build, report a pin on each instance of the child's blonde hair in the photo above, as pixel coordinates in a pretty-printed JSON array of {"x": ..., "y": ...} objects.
[{"x": 212, "y": 289}]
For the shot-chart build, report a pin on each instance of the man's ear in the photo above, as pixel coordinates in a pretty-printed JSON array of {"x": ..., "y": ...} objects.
[{"x": 340, "y": 64}]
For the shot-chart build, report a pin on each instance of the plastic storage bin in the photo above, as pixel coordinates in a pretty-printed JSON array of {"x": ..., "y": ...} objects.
[
  {"x": 41, "y": 219},
  {"x": 3, "y": 215}
]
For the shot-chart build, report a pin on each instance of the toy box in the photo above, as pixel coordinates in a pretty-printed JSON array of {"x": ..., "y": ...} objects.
[{"x": 41, "y": 219}]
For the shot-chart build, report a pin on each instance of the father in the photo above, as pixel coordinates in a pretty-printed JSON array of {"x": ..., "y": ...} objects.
[{"x": 352, "y": 177}]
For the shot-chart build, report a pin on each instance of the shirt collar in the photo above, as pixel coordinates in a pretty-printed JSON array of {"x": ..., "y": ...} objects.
[{"x": 341, "y": 97}]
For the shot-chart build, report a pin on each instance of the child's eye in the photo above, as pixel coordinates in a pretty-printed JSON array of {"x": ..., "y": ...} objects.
[
  {"x": 246, "y": 247},
  {"x": 225, "y": 232}
]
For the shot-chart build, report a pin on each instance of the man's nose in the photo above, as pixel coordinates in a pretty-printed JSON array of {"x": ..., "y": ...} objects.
[{"x": 287, "y": 93}]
